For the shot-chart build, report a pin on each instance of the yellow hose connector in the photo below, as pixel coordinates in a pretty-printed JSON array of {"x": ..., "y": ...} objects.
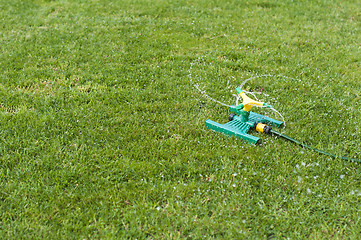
[{"x": 262, "y": 128}]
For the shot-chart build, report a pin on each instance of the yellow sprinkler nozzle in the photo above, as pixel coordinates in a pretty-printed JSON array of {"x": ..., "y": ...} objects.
[{"x": 248, "y": 102}]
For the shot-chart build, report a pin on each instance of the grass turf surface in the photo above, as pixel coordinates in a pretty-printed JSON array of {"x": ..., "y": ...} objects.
[{"x": 103, "y": 135}]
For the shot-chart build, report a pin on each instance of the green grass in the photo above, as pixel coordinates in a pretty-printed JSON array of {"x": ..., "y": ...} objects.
[{"x": 103, "y": 135}]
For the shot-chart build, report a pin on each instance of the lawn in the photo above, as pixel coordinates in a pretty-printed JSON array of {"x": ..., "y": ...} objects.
[{"x": 102, "y": 124}]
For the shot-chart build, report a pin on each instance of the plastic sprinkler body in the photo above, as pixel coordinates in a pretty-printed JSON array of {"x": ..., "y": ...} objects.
[
  {"x": 243, "y": 119},
  {"x": 239, "y": 126},
  {"x": 244, "y": 109}
]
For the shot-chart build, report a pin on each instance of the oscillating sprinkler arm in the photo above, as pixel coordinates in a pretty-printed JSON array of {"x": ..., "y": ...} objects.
[{"x": 248, "y": 102}]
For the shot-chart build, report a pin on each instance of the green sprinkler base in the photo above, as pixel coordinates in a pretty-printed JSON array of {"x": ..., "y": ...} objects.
[
  {"x": 239, "y": 128},
  {"x": 233, "y": 128}
]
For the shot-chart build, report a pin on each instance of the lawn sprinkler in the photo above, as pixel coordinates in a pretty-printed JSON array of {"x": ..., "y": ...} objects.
[{"x": 242, "y": 119}]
